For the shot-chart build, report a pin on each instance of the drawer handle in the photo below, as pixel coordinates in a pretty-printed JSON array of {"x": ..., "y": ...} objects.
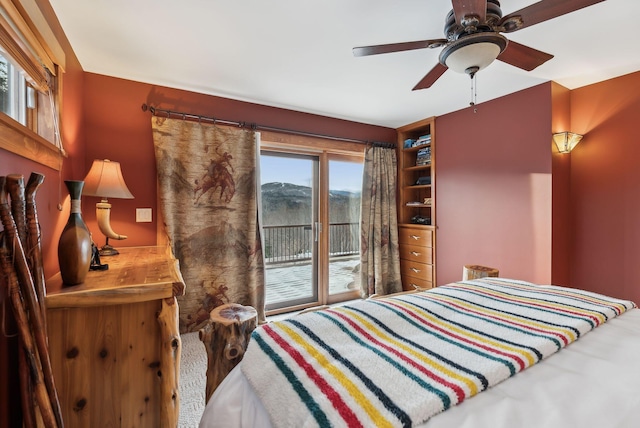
[
  {"x": 415, "y": 286},
  {"x": 416, "y": 237},
  {"x": 416, "y": 270},
  {"x": 415, "y": 253}
]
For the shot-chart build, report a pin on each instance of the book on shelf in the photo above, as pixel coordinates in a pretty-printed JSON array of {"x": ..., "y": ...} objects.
[
  {"x": 423, "y": 181},
  {"x": 415, "y": 142},
  {"x": 424, "y": 152},
  {"x": 424, "y": 139},
  {"x": 423, "y": 157}
]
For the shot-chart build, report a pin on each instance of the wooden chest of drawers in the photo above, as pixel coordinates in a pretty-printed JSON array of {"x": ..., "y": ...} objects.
[
  {"x": 416, "y": 256},
  {"x": 114, "y": 342}
]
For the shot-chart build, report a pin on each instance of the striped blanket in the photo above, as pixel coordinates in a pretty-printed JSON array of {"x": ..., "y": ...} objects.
[{"x": 398, "y": 361}]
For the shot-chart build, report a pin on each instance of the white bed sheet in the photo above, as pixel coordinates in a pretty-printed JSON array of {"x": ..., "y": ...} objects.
[{"x": 593, "y": 382}]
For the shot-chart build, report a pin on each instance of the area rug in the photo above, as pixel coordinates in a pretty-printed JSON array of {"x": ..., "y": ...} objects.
[{"x": 193, "y": 380}]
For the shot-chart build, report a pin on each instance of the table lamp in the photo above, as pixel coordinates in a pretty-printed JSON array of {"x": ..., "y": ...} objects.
[{"x": 105, "y": 181}]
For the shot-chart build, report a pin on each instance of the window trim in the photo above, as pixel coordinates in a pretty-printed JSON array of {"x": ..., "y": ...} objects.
[
  {"x": 17, "y": 138},
  {"x": 306, "y": 144},
  {"x": 22, "y": 54}
]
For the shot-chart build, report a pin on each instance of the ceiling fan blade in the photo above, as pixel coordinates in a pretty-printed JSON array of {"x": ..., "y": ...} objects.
[
  {"x": 397, "y": 47},
  {"x": 523, "y": 57},
  {"x": 545, "y": 10},
  {"x": 469, "y": 7},
  {"x": 431, "y": 77}
]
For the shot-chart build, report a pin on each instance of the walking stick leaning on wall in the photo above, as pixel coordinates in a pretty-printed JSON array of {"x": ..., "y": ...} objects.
[{"x": 28, "y": 310}]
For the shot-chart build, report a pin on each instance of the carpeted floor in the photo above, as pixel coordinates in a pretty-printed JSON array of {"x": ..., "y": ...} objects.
[{"x": 193, "y": 380}]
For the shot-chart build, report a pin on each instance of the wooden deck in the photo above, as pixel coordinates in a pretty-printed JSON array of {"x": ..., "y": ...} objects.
[{"x": 293, "y": 281}]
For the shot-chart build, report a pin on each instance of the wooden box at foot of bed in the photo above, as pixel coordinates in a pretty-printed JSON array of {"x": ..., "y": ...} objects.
[{"x": 451, "y": 356}]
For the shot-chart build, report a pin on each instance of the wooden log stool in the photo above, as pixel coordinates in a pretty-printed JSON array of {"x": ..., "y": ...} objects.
[
  {"x": 477, "y": 271},
  {"x": 225, "y": 338}
]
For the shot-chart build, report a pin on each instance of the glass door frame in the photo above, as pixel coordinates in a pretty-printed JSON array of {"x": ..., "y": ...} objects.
[
  {"x": 330, "y": 150},
  {"x": 324, "y": 253},
  {"x": 314, "y": 298}
]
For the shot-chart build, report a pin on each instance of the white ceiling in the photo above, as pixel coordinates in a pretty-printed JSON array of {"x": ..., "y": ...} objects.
[{"x": 296, "y": 54}]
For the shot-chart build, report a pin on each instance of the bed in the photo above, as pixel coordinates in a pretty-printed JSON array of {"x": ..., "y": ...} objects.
[{"x": 483, "y": 353}]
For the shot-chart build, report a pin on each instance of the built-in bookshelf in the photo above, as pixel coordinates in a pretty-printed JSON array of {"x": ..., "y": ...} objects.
[
  {"x": 416, "y": 144},
  {"x": 416, "y": 203}
]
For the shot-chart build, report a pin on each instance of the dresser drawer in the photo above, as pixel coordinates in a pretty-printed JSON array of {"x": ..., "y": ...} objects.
[
  {"x": 416, "y": 270},
  {"x": 415, "y": 236},
  {"x": 410, "y": 283},
  {"x": 416, "y": 253}
]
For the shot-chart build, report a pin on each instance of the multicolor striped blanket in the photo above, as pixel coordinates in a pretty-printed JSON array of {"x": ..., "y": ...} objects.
[{"x": 397, "y": 361}]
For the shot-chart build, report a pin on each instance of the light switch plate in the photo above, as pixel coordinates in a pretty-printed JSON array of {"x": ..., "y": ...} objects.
[{"x": 143, "y": 215}]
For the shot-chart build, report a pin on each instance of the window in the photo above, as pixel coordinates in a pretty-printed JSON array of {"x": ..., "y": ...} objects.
[
  {"x": 31, "y": 61},
  {"x": 13, "y": 90}
]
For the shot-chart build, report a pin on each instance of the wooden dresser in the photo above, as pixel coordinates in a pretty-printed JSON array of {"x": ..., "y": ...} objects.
[
  {"x": 114, "y": 342},
  {"x": 416, "y": 257}
]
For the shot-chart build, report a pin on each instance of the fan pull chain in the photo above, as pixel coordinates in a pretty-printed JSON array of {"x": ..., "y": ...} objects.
[{"x": 474, "y": 91}]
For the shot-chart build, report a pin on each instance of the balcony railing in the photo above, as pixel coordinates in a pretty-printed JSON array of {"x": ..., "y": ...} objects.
[{"x": 287, "y": 244}]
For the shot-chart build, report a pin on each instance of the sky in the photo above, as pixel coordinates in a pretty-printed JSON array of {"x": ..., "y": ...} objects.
[{"x": 342, "y": 175}]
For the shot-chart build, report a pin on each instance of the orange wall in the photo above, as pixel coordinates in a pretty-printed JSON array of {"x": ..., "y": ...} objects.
[
  {"x": 493, "y": 181},
  {"x": 118, "y": 129},
  {"x": 605, "y": 184}
]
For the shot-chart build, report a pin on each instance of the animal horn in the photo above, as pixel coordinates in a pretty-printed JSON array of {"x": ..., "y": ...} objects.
[{"x": 103, "y": 215}]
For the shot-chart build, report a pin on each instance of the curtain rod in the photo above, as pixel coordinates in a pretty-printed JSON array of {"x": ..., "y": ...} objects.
[{"x": 195, "y": 117}]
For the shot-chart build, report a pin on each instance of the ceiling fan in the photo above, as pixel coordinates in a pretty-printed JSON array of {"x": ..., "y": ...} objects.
[{"x": 473, "y": 40}]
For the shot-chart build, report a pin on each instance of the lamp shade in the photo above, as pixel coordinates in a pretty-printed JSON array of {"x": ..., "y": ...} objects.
[
  {"x": 105, "y": 180},
  {"x": 566, "y": 141}
]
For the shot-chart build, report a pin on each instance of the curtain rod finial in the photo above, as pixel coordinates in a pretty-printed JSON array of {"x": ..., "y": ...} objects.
[{"x": 149, "y": 108}]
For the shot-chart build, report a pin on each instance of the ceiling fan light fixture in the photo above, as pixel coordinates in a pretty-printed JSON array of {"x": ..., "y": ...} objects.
[{"x": 475, "y": 52}]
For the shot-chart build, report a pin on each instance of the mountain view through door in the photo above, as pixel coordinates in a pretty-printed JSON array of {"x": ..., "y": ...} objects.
[{"x": 307, "y": 261}]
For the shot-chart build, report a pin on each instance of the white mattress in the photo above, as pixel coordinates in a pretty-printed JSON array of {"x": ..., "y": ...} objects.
[{"x": 591, "y": 383}]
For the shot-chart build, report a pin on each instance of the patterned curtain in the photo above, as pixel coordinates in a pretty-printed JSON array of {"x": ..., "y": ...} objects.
[
  {"x": 379, "y": 251},
  {"x": 207, "y": 191}
]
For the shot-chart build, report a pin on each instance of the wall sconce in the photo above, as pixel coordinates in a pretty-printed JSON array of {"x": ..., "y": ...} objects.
[
  {"x": 566, "y": 141},
  {"x": 105, "y": 181}
]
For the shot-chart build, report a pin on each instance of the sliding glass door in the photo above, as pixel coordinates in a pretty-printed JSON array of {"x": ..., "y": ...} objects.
[
  {"x": 289, "y": 185},
  {"x": 310, "y": 220}
]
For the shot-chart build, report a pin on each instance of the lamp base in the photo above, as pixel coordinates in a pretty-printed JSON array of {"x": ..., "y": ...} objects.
[{"x": 108, "y": 250}]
